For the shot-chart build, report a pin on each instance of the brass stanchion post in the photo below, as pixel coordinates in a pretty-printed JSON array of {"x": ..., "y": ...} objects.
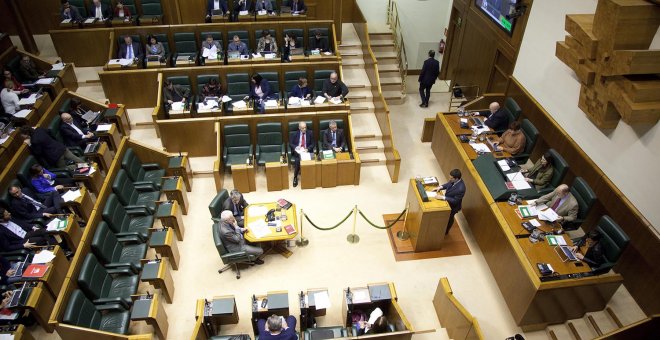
[
  {"x": 302, "y": 242},
  {"x": 404, "y": 235},
  {"x": 353, "y": 238}
]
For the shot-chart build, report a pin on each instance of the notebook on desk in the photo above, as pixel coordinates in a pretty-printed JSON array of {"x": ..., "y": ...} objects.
[{"x": 91, "y": 147}]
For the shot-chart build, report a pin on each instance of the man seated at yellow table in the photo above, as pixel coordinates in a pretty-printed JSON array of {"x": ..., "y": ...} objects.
[
  {"x": 233, "y": 239},
  {"x": 236, "y": 204},
  {"x": 333, "y": 138},
  {"x": 562, "y": 202}
]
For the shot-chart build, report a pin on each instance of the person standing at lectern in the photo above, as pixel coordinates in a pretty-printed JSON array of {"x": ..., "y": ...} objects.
[{"x": 454, "y": 192}]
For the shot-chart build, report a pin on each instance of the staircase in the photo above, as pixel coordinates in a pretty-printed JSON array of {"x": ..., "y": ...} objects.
[
  {"x": 366, "y": 133},
  {"x": 388, "y": 67}
]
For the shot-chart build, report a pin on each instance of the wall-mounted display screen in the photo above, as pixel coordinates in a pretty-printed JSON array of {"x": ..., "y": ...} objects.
[{"x": 500, "y": 12}]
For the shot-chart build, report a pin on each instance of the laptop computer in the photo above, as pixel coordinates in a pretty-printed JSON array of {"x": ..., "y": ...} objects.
[
  {"x": 477, "y": 121},
  {"x": 565, "y": 253},
  {"x": 91, "y": 147},
  {"x": 233, "y": 54}
]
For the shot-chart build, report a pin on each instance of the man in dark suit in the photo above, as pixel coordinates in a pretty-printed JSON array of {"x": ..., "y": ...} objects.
[
  {"x": 236, "y": 204},
  {"x": 454, "y": 192},
  {"x": 496, "y": 117},
  {"x": 130, "y": 50},
  {"x": 298, "y": 6},
  {"x": 300, "y": 141},
  {"x": 216, "y": 7},
  {"x": 16, "y": 234},
  {"x": 333, "y": 138},
  {"x": 240, "y": 6},
  {"x": 70, "y": 12},
  {"x": 100, "y": 10},
  {"x": 427, "y": 77},
  {"x": 233, "y": 237},
  {"x": 45, "y": 148},
  {"x": 74, "y": 134},
  {"x": 29, "y": 206}
]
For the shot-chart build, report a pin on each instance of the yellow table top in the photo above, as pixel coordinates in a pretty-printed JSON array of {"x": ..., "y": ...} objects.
[{"x": 291, "y": 218}]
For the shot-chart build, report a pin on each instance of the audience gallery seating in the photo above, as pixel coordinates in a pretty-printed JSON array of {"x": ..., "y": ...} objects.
[{"x": 81, "y": 312}]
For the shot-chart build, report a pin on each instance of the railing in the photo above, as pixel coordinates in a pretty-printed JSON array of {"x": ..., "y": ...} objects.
[
  {"x": 399, "y": 44},
  {"x": 468, "y": 94}
]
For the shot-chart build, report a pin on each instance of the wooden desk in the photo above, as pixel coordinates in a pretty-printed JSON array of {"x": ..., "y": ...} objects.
[
  {"x": 112, "y": 137},
  {"x": 56, "y": 273},
  {"x": 119, "y": 22},
  {"x": 119, "y": 117},
  {"x": 204, "y": 112},
  {"x": 328, "y": 173},
  {"x": 169, "y": 214},
  {"x": 179, "y": 114},
  {"x": 180, "y": 166},
  {"x": 155, "y": 64},
  {"x": 277, "y": 176},
  {"x": 72, "y": 234},
  {"x": 151, "y": 311},
  {"x": 102, "y": 156},
  {"x": 534, "y": 304},
  {"x": 214, "y": 62},
  {"x": 157, "y": 273},
  {"x": 321, "y": 57},
  {"x": 427, "y": 221},
  {"x": 542, "y": 252},
  {"x": 243, "y": 176},
  {"x": 308, "y": 174},
  {"x": 219, "y": 18},
  {"x": 31, "y": 118},
  {"x": 83, "y": 205},
  {"x": 274, "y": 237},
  {"x": 184, "y": 62},
  {"x": 163, "y": 242},
  {"x": 40, "y": 303},
  {"x": 515, "y": 222},
  {"x": 116, "y": 67},
  {"x": 223, "y": 311},
  {"x": 174, "y": 190},
  {"x": 262, "y": 59},
  {"x": 239, "y": 60},
  {"x": 93, "y": 181},
  {"x": 345, "y": 169}
]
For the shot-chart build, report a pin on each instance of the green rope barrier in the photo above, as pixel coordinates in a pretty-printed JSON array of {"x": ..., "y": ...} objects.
[
  {"x": 330, "y": 228},
  {"x": 385, "y": 227}
]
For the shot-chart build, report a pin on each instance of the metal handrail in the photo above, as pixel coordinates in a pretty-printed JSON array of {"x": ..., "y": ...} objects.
[{"x": 399, "y": 44}]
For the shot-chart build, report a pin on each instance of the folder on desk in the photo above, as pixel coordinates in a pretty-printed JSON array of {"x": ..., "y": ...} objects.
[
  {"x": 22, "y": 114},
  {"x": 35, "y": 270}
]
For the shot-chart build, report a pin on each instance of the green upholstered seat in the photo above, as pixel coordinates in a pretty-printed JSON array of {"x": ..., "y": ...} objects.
[
  {"x": 230, "y": 259},
  {"x": 274, "y": 82},
  {"x": 202, "y": 80},
  {"x": 585, "y": 197},
  {"x": 115, "y": 253},
  {"x": 331, "y": 332},
  {"x": 80, "y": 311},
  {"x": 324, "y": 124},
  {"x": 531, "y": 136},
  {"x": 614, "y": 241},
  {"x": 185, "y": 44},
  {"x": 215, "y": 207},
  {"x": 512, "y": 109},
  {"x": 560, "y": 168},
  {"x": 325, "y": 35},
  {"x": 152, "y": 12},
  {"x": 237, "y": 147},
  {"x": 54, "y": 131},
  {"x": 238, "y": 86},
  {"x": 103, "y": 288},
  {"x": 143, "y": 196},
  {"x": 270, "y": 144},
  {"x": 141, "y": 172},
  {"x": 291, "y": 79},
  {"x": 319, "y": 77},
  {"x": 126, "y": 223},
  {"x": 293, "y": 127},
  {"x": 298, "y": 32}
]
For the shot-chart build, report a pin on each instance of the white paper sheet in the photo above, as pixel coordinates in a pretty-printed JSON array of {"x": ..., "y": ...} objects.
[
  {"x": 209, "y": 106},
  {"x": 503, "y": 165},
  {"x": 548, "y": 215},
  {"x": 65, "y": 21},
  {"x": 535, "y": 222},
  {"x": 521, "y": 185},
  {"x": 43, "y": 256},
  {"x": 71, "y": 195},
  {"x": 258, "y": 210},
  {"x": 90, "y": 20},
  {"x": 305, "y": 156},
  {"x": 431, "y": 194},
  {"x": 239, "y": 104},
  {"x": 294, "y": 101},
  {"x": 262, "y": 12},
  {"x": 57, "y": 67},
  {"x": 269, "y": 55},
  {"x": 335, "y": 100},
  {"x": 226, "y": 99},
  {"x": 243, "y": 13},
  {"x": 177, "y": 106},
  {"x": 322, "y": 300},
  {"x": 103, "y": 127},
  {"x": 480, "y": 147},
  {"x": 259, "y": 229},
  {"x": 56, "y": 224},
  {"x": 377, "y": 313},
  {"x": 515, "y": 176},
  {"x": 29, "y": 100},
  {"x": 211, "y": 53},
  {"x": 361, "y": 295},
  {"x": 481, "y": 130},
  {"x": 22, "y": 113},
  {"x": 271, "y": 103},
  {"x": 319, "y": 100}
]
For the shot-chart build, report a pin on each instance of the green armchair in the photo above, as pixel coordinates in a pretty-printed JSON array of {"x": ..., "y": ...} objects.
[
  {"x": 118, "y": 253},
  {"x": 585, "y": 198},
  {"x": 270, "y": 144},
  {"x": 531, "y": 136},
  {"x": 215, "y": 207},
  {"x": 81, "y": 312},
  {"x": 126, "y": 222},
  {"x": 560, "y": 168},
  {"x": 237, "y": 147},
  {"x": 614, "y": 241},
  {"x": 332, "y": 332},
  {"x": 141, "y": 172},
  {"x": 132, "y": 196},
  {"x": 231, "y": 260},
  {"x": 107, "y": 286}
]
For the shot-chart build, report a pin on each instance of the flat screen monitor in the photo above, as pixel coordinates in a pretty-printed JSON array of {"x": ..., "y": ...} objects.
[{"x": 499, "y": 11}]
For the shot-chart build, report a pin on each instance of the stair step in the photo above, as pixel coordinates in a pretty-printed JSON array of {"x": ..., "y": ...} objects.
[
  {"x": 381, "y": 36},
  {"x": 380, "y": 43},
  {"x": 614, "y": 317},
  {"x": 349, "y": 45},
  {"x": 390, "y": 80},
  {"x": 361, "y": 137},
  {"x": 370, "y": 161},
  {"x": 551, "y": 334},
  {"x": 573, "y": 331},
  {"x": 356, "y": 86},
  {"x": 385, "y": 55},
  {"x": 392, "y": 95}
]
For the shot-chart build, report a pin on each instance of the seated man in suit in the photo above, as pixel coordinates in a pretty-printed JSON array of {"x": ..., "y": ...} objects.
[
  {"x": 100, "y": 11},
  {"x": 216, "y": 7},
  {"x": 77, "y": 111},
  {"x": 73, "y": 134},
  {"x": 562, "y": 202},
  {"x": 236, "y": 204},
  {"x": 16, "y": 234},
  {"x": 28, "y": 70},
  {"x": 209, "y": 43},
  {"x": 233, "y": 239},
  {"x": 70, "y": 12},
  {"x": 130, "y": 50},
  {"x": 333, "y": 138},
  {"x": 300, "y": 141},
  {"x": 29, "y": 206},
  {"x": 45, "y": 148},
  {"x": 236, "y": 45},
  {"x": 277, "y": 327},
  {"x": 298, "y": 7},
  {"x": 175, "y": 93},
  {"x": 264, "y": 5},
  {"x": 454, "y": 192},
  {"x": 240, "y": 6},
  {"x": 334, "y": 88},
  {"x": 318, "y": 43},
  {"x": 496, "y": 117}
]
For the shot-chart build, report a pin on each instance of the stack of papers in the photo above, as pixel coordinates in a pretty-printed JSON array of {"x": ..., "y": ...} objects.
[
  {"x": 271, "y": 103},
  {"x": 66, "y": 21},
  {"x": 361, "y": 295},
  {"x": 56, "y": 224},
  {"x": 305, "y": 103},
  {"x": 71, "y": 195},
  {"x": 503, "y": 165},
  {"x": 269, "y": 55},
  {"x": 103, "y": 127},
  {"x": 319, "y": 100},
  {"x": 90, "y": 20},
  {"x": 548, "y": 215},
  {"x": 294, "y": 101},
  {"x": 481, "y": 130},
  {"x": 518, "y": 181},
  {"x": 120, "y": 62},
  {"x": 321, "y": 300},
  {"x": 211, "y": 53},
  {"x": 57, "y": 67},
  {"x": 177, "y": 106},
  {"x": 239, "y": 104},
  {"x": 29, "y": 100},
  {"x": 480, "y": 147},
  {"x": 335, "y": 100},
  {"x": 226, "y": 99},
  {"x": 243, "y": 13},
  {"x": 556, "y": 240},
  {"x": 43, "y": 256},
  {"x": 22, "y": 114},
  {"x": 262, "y": 12},
  {"x": 527, "y": 211},
  {"x": 259, "y": 229},
  {"x": 210, "y": 105}
]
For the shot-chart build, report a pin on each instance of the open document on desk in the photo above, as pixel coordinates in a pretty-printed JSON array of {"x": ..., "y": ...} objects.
[
  {"x": 518, "y": 181},
  {"x": 480, "y": 147},
  {"x": 31, "y": 100},
  {"x": 548, "y": 215},
  {"x": 177, "y": 106},
  {"x": 120, "y": 62},
  {"x": 259, "y": 229}
]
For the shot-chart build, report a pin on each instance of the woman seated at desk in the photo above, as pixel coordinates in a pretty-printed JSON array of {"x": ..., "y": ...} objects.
[
  {"x": 45, "y": 181},
  {"x": 122, "y": 12},
  {"x": 512, "y": 140},
  {"x": 540, "y": 173},
  {"x": 277, "y": 327},
  {"x": 12, "y": 83},
  {"x": 380, "y": 325},
  {"x": 212, "y": 89},
  {"x": 154, "y": 48},
  {"x": 301, "y": 90},
  {"x": 595, "y": 254},
  {"x": 266, "y": 43}
]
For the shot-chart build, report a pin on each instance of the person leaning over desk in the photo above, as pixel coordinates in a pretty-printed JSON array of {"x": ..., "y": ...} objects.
[
  {"x": 334, "y": 88},
  {"x": 301, "y": 90},
  {"x": 212, "y": 89},
  {"x": 595, "y": 254},
  {"x": 562, "y": 202},
  {"x": 454, "y": 192},
  {"x": 236, "y": 204},
  {"x": 540, "y": 173},
  {"x": 277, "y": 328},
  {"x": 512, "y": 140},
  {"x": 175, "y": 93},
  {"x": 233, "y": 239}
]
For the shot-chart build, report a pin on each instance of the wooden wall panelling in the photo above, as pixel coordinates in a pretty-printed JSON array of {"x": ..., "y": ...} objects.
[
  {"x": 192, "y": 11},
  {"x": 133, "y": 88},
  {"x": 88, "y": 47}
]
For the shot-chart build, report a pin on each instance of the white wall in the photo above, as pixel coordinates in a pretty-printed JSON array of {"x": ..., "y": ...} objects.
[
  {"x": 630, "y": 157},
  {"x": 422, "y": 21}
]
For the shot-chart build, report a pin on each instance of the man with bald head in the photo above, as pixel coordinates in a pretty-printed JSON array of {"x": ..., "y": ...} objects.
[
  {"x": 496, "y": 119},
  {"x": 334, "y": 88},
  {"x": 73, "y": 134},
  {"x": 299, "y": 142},
  {"x": 562, "y": 202}
]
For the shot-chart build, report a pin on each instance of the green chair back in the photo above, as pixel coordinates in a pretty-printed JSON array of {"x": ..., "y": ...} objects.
[
  {"x": 319, "y": 77},
  {"x": 215, "y": 207},
  {"x": 614, "y": 241},
  {"x": 238, "y": 85},
  {"x": 94, "y": 280},
  {"x": 325, "y": 123},
  {"x": 185, "y": 43},
  {"x": 273, "y": 79},
  {"x": 291, "y": 79},
  {"x": 560, "y": 168},
  {"x": 584, "y": 195}
]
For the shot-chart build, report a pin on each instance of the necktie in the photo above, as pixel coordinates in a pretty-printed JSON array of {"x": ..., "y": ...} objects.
[
  {"x": 235, "y": 209},
  {"x": 77, "y": 129},
  {"x": 130, "y": 51},
  {"x": 302, "y": 140},
  {"x": 14, "y": 228},
  {"x": 32, "y": 201},
  {"x": 334, "y": 139},
  {"x": 556, "y": 205}
]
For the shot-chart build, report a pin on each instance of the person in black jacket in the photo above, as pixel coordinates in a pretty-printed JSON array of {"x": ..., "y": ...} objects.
[
  {"x": 29, "y": 206},
  {"x": 16, "y": 234},
  {"x": 236, "y": 204},
  {"x": 427, "y": 77},
  {"x": 44, "y": 147},
  {"x": 74, "y": 134},
  {"x": 595, "y": 254},
  {"x": 496, "y": 118},
  {"x": 454, "y": 192}
]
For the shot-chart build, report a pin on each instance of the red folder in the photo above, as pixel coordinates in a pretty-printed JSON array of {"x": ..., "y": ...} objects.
[{"x": 35, "y": 270}]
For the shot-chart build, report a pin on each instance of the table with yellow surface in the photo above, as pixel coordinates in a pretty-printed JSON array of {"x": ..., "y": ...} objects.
[{"x": 275, "y": 238}]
